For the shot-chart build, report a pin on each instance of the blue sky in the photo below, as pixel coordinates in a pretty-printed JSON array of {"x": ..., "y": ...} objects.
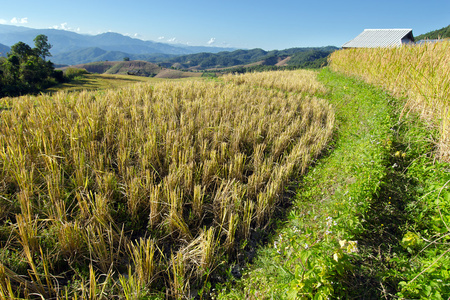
[{"x": 233, "y": 23}]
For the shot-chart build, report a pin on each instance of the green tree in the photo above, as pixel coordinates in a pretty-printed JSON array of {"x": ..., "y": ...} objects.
[
  {"x": 25, "y": 69},
  {"x": 21, "y": 50},
  {"x": 42, "y": 46},
  {"x": 12, "y": 66}
]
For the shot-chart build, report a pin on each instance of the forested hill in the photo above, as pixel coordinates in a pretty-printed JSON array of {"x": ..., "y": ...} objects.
[
  {"x": 290, "y": 57},
  {"x": 432, "y": 35}
]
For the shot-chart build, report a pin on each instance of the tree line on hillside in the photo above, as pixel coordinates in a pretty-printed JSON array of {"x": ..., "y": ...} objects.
[
  {"x": 299, "y": 57},
  {"x": 318, "y": 63},
  {"x": 25, "y": 69},
  {"x": 435, "y": 34}
]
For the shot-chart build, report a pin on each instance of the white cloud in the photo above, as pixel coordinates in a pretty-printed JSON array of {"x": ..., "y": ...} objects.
[
  {"x": 133, "y": 35},
  {"x": 63, "y": 26},
  {"x": 161, "y": 38},
  {"x": 211, "y": 41},
  {"x": 172, "y": 40},
  {"x": 3, "y": 21},
  {"x": 19, "y": 20}
]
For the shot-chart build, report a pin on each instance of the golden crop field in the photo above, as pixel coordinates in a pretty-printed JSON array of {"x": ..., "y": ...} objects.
[
  {"x": 303, "y": 82},
  {"x": 420, "y": 73},
  {"x": 146, "y": 188}
]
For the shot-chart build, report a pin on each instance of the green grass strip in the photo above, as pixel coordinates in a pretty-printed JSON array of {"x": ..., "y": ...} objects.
[{"x": 360, "y": 220}]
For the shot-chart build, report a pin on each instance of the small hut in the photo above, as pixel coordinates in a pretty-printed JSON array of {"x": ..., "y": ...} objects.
[{"x": 374, "y": 38}]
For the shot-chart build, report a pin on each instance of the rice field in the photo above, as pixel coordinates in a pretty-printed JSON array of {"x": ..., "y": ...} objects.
[
  {"x": 146, "y": 190},
  {"x": 420, "y": 74},
  {"x": 302, "y": 82}
]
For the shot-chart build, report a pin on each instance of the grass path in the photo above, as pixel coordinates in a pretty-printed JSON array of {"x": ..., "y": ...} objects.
[{"x": 345, "y": 235}]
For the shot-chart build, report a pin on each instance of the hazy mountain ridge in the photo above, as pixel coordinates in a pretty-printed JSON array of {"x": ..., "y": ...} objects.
[
  {"x": 87, "y": 55},
  {"x": 198, "y": 61},
  {"x": 135, "y": 67},
  {"x": 66, "y": 41},
  {"x": 70, "y": 48},
  {"x": 4, "y": 50}
]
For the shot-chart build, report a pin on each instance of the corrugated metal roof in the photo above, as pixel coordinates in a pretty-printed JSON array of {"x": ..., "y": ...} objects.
[{"x": 373, "y": 38}]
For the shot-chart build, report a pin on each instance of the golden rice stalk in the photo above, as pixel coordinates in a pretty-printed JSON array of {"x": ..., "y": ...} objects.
[
  {"x": 247, "y": 218},
  {"x": 135, "y": 196},
  {"x": 231, "y": 232},
  {"x": 262, "y": 207},
  {"x": 28, "y": 235},
  {"x": 200, "y": 254},
  {"x": 225, "y": 201},
  {"x": 143, "y": 257},
  {"x": 93, "y": 289},
  {"x": 131, "y": 286},
  {"x": 70, "y": 239},
  {"x": 291, "y": 81},
  {"x": 104, "y": 245},
  {"x": 174, "y": 219},
  {"x": 444, "y": 142},
  {"x": 8, "y": 289},
  {"x": 155, "y": 199},
  {"x": 197, "y": 200},
  {"x": 25, "y": 202},
  {"x": 179, "y": 284}
]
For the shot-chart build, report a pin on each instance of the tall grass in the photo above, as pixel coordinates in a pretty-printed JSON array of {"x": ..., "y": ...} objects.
[
  {"x": 127, "y": 190},
  {"x": 420, "y": 73}
]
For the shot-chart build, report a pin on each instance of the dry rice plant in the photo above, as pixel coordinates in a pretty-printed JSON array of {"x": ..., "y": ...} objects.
[
  {"x": 303, "y": 81},
  {"x": 421, "y": 73},
  {"x": 158, "y": 180}
]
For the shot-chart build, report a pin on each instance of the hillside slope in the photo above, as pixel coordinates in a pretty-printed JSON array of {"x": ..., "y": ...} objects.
[
  {"x": 435, "y": 34},
  {"x": 140, "y": 68},
  {"x": 202, "y": 61},
  {"x": 134, "y": 67},
  {"x": 94, "y": 54}
]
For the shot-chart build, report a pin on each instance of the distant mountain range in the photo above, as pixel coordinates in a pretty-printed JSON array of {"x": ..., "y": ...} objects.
[
  {"x": 70, "y": 48},
  {"x": 64, "y": 42},
  {"x": 93, "y": 54}
]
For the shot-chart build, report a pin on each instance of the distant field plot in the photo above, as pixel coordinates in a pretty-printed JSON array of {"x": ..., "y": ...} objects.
[
  {"x": 420, "y": 73},
  {"x": 303, "y": 81},
  {"x": 148, "y": 188},
  {"x": 99, "y": 82}
]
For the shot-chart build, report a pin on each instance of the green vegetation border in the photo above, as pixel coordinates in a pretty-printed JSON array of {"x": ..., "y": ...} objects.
[{"x": 370, "y": 220}]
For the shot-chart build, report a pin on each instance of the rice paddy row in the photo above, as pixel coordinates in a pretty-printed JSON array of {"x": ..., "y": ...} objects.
[{"x": 145, "y": 190}]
